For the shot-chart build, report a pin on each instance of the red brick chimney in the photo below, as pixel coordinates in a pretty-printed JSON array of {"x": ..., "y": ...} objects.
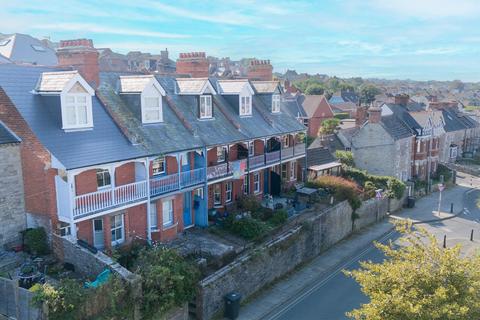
[
  {"x": 374, "y": 114},
  {"x": 193, "y": 63},
  {"x": 82, "y": 56},
  {"x": 402, "y": 99},
  {"x": 361, "y": 116},
  {"x": 260, "y": 70}
]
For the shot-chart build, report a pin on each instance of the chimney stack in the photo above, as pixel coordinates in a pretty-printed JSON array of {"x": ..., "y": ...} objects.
[
  {"x": 361, "y": 116},
  {"x": 402, "y": 99},
  {"x": 193, "y": 63},
  {"x": 82, "y": 56},
  {"x": 374, "y": 114},
  {"x": 260, "y": 70}
]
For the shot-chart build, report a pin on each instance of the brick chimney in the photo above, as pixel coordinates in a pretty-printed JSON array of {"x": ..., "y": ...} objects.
[
  {"x": 260, "y": 70},
  {"x": 361, "y": 116},
  {"x": 374, "y": 114},
  {"x": 402, "y": 99},
  {"x": 193, "y": 63},
  {"x": 82, "y": 56}
]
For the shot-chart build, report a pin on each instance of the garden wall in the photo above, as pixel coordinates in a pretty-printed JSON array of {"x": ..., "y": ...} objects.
[{"x": 274, "y": 259}]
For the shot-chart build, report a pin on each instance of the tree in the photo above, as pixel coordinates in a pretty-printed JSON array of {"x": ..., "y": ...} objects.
[
  {"x": 345, "y": 158},
  {"x": 328, "y": 126},
  {"x": 368, "y": 93},
  {"x": 419, "y": 280},
  {"x": 315, "y": 88}
]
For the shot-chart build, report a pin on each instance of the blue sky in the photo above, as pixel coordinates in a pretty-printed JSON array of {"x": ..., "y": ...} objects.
[{"x": 416, "y": 39}]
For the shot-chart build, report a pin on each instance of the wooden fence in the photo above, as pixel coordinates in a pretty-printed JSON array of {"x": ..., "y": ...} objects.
[{"x": 16, "y": 302}]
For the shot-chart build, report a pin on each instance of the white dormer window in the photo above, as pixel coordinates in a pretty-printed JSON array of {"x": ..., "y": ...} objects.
[
  {"x": 152, "y": 109},
  {"x": 77, "y": 111},
  {"x": 276, "y": 103},
  {"x": 245, "y": 105},
  {"x": 205, "y": 106}
]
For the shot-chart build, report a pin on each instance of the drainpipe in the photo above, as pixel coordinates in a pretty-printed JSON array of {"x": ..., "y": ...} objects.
[
  {"x": 149, "y": 222},
  {"x": 73, "y": 226}
]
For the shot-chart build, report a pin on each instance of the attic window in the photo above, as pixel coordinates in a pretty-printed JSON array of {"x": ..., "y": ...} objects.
[
  {"x": 38, "y": 48},
  {"x": 276, "y": 103},
  {"x": 152, "y": 109},
  {"x": 205, "y": 107},
  {"x": 245, "y": 105},
  {"x": 77, "y": 111}
]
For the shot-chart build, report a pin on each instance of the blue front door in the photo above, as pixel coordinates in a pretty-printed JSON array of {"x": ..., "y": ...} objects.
[{"x": 187, "y": 209}]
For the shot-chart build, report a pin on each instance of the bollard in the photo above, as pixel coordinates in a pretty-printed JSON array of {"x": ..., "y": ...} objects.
[
  {"x": 471, "y": 235},
  {"x": 451, "y": 207},
  {"x": 445, "y": 241}
]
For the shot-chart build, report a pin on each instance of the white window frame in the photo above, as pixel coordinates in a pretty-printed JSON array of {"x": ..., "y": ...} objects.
[
  {"x": 284, "y": 171},
  {"x": 158, "y": 108},
  {"x": 208, "y": 109},
  {"x": 228, "y": 191},
  {"x": 286, "y": 141},
  {"x": 293, "y": 175},
  {"x": 153, "y": 216},
  {"x": 167, "y": 212},
  {"x": 65, "y": 229},
  {"x": 419, "y": 143},
  {"x": 245, "y": 185},
  {"x": 245, "y": 107},
  {"x": 275, "y": 103},
  {"x": 199, "y": 192},
  {"x": 66, "y": 106},
  {"x": 256, "y": 182},
  {"x": 222, "y": 150},
  {"x": 251, "y": 148},
  {"x": 115, "y": 227},
  {"x": 453, "y": 152},
  {"x": 158, "y": 160},
  {"x": 103, "y": 173},
  {"x": 217, "y": 193}
]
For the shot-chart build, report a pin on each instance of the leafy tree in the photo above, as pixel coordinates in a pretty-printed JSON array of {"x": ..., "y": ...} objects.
[
  {"x": 315, "y": 88},
  {"x": 328, "y": 126},
  {"x": 368, "y": 93},
  {"x": 345, "y": 158},
  {"x": 419, "y": 280}
]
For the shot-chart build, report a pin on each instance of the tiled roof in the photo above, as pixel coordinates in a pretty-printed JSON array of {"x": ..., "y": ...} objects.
[
  {"x": 319, "y": 156},
  {"x": 265, "y": 86},
  {"x": 134, "y": 84},
  {"x": 191, "y": 85},
  {"x": 6, "y": 135},
  {"x": 231, "y": 86},
  {"x": 54, "y": 81},
  {"x": 103, "y": 144},
  {"x": 311, "y": 103}
]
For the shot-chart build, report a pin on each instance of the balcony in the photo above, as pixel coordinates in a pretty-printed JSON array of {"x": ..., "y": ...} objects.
[
  {"x": 299, "y": 149},
  {"x": 172, "y": 182},
  {"x": 287, "y": 153},
  {"x": 90, "y": 203},
  {"x": 272, "y": 157},
  {"x": 217, "y": 171},
  {"x": 256, "y": 161}
]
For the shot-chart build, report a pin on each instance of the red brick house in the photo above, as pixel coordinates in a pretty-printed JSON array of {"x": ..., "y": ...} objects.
[{"x": 312, "y": 111}]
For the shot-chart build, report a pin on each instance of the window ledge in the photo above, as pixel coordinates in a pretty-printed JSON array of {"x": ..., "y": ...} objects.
[
  {"x": 206, "y": 119},
  {"x": 218, "y": 206},
  {"x": 170, "y": 226}
]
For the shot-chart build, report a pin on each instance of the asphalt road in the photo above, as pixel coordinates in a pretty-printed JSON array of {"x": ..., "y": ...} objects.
[{"x": 331, "y": 297}]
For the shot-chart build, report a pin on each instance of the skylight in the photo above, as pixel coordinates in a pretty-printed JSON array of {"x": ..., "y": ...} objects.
[{"x": 38, "y": 48}]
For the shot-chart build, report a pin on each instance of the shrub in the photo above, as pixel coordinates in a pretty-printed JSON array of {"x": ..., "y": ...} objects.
[
  {"x": 249, "y": 228},
  {"x": 342, "y": 115},
  {"x": 342, "y": 188},
  {"x": 345, "y": 158},
  {"x": 443, "y": 171},
  {"x": 392, "y": 186},
  {"x": 369, "y": 189},
  {"x": 168, "y": 280},
  {"x": 249, "y": 203},
  {"x": 279, "y": 217},
  {"x": 35, "y": 241}
]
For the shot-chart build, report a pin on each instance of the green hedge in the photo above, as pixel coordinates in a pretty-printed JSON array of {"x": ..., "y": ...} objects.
[
  {"x": 394, "y": 187},
  {"x": 342, "y": 189}
]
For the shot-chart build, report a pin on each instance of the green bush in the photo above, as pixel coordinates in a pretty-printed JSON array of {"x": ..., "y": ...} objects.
[
  {"x": 279, "y": 217},
  {"x": 249, "y": 228},
  {"x": 443, "y": 171},
  {"x": 394, "y": 188},
  {"x": 342, "y": 189},
  {"x": 249, "y": 203},
  {"x": 369, "y": 189},
  {"x": 35, "y": 241},
  {"x": 345, "y": 158},
  {"x": 168, "y": 280},
  {"x": 342, "y": 115}
]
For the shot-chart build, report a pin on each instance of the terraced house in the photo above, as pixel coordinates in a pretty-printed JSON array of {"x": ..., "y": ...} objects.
[{"x": 109, "y": 156}]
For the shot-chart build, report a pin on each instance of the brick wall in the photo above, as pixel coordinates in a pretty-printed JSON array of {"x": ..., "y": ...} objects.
[
  {"x": 82, "y": 56},
  {"x": 86, "y": 182},
  {"x": 193, "y": 63},
  {"x": 125, "y": 174},
  {"x": 169, "y": 233},
  {"x": 260, "y": 70},
  {"x": 258, "y": 146},
  {"x": 12, "y": 202},
  {"x": 212, "y": 156}
]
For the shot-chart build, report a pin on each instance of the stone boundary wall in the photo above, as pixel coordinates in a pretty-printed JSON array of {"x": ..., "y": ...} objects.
[{"x": 264, "y": 264}]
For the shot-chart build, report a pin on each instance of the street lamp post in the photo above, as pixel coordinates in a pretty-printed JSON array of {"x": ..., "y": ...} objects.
[{"x": 441, "y": 187}]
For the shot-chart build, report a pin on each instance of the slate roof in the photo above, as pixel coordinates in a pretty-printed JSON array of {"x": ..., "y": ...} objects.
[
  {"x": 265, "y": 86},
  {"x": 343, "y": 96},
  {"x": 455, "y": 121},
  {"x": 134, "y": 83},
  {"x": 319, "y": 156},
  {"x": 231, "y": 86},
  {"x": 54, "y": 81},
  {"x": 22, "y": 48},
  {"x": 7, "y": 135},
  {"x": 103, "y": 144},
  {"x": 294, "y": 106},
  {"x": 395, "y": 128}
]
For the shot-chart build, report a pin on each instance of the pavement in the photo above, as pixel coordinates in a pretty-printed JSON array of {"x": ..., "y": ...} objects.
[{"x": 321, "y": 291}]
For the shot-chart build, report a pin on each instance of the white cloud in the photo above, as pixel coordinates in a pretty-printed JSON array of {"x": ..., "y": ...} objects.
[
  {"x": 430, "y": 9},
  {"x": 93, "y": 28},
  {"x": 437, "y": 51}
]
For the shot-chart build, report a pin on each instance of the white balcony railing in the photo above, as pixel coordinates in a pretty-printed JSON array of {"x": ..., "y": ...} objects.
[
  {"x": 287, "y": 152},
  {"x": 218, "y": 171},
  {"x": 90, "y": 203},
  {"x": 193, "y": 177},
  {"x": 299, "y": 149},
  {"x": 256, "y": 161},
  {"x": 272, "y": 156}
]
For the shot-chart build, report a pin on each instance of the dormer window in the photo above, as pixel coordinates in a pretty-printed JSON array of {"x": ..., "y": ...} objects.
[
  {"x": 276, "y": 103},
  {"x": 206, "y": 107},
  {"x": 245, "y": 105},
  {"x": 77, "y": 111},
  {"x": 152, "y": 109}
]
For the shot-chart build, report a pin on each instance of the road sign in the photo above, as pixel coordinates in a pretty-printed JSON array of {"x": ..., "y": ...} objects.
[{"x": 441, "y": 187}]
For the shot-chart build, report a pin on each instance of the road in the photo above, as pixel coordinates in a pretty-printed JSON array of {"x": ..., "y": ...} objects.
[{"x": 330, "y": 297}]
